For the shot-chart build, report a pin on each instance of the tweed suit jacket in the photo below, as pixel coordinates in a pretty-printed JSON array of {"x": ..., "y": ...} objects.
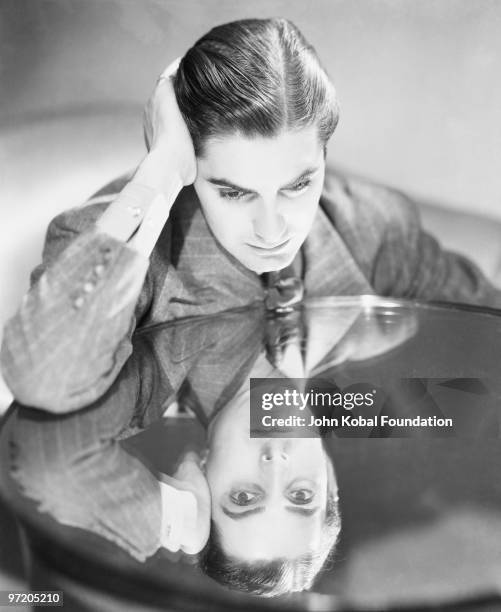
[
  {"x": 125, "y": 353},
  {"x": 66, "y": 345}
]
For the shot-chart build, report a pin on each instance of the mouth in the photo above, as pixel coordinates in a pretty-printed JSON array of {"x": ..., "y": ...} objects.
[{"x": 271, "y": 250}]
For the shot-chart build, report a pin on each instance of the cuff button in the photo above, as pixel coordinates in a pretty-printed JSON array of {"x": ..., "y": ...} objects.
[{"x": 135, "y": 211}]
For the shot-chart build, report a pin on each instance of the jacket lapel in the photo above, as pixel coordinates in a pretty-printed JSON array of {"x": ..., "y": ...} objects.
[
  {"x": 211, "y": 280},
  {"x": 329, "y": 268}
]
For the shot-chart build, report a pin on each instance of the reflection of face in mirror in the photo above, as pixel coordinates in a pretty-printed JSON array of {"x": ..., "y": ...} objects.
[{"x": 274, "y": 506}]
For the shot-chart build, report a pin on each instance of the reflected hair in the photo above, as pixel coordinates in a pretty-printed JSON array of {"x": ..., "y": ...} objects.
[
  {"x": 279, "y": 576},
  {"x": 254, "y": 77}
]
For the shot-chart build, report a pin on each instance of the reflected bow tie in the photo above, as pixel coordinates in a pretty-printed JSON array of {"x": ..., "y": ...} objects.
[
  {"x": 284, "y": 325},
  {"x": 284, "y": 290}
]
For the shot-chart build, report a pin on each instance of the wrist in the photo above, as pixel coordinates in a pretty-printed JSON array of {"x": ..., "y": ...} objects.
[{"x": 158, "y": 170}]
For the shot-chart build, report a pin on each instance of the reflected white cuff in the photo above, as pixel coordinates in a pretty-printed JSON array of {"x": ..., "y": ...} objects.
[{"x": 179, "y": 516}]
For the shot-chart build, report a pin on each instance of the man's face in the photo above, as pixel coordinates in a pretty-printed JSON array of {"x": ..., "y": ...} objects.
[
  {"x": 268, "y": 495},
  {"x": 260, "y": 195}
]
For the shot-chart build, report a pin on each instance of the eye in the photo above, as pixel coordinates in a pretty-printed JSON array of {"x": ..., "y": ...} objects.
[
  {"x": 231, "y": 194},
  {"x": 301, "y": 497},
  {"x": 300, "y": 185},
  {"x": 244, "y": 498}
]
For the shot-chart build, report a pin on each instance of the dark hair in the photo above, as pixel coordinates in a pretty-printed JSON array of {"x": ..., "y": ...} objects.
[
  {"x": 279, "y": 576},
  {"x": 255, "y": 77}
]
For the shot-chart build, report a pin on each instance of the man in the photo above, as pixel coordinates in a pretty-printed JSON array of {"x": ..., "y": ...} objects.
[{"x": 261, "y": 201}]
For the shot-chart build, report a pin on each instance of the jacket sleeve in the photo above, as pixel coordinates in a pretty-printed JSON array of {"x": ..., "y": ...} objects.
[
  {"x": 71, "y": 335},
  {"x": 76, "y": 470},
  {"x": 410, "y": 263},
  {"x": 382, "y": 228}
]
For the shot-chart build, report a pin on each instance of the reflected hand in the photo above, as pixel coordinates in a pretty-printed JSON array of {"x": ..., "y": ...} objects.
[{"x": 189, "y": 477}]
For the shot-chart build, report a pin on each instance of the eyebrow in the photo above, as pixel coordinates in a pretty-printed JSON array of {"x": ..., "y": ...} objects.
[
  {"x": 303, "y": 511},
  {"x": 223, "y": 182},
  {"x": 240, "y": 515},
  {"x": 294, "y": 509}
]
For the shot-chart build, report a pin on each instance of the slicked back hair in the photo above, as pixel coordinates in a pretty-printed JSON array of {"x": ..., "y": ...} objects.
[{"x": 254, "y": 77}]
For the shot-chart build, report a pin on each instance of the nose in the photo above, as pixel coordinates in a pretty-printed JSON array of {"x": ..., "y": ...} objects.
[
  {"x": 269, "y": 224},
  {"x": 273, "y": 454}
]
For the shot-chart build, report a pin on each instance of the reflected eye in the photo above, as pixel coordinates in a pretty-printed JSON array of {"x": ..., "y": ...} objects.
[
  {"x": 244, "y": 498},
  {"x": 301, "y": 496},
  {"x": 231, "y": 194}
]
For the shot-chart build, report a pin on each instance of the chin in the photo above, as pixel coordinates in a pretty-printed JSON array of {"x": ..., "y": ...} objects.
[
  {"x": 262, "y": 267},
  {"x": 270, "y": 264}
]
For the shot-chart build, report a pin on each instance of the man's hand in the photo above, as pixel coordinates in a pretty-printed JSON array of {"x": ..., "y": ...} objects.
[
  {"x": 165, "y": 130},
  {"x": 196, "y": 527},
  {"x": 193, "y": 479}
]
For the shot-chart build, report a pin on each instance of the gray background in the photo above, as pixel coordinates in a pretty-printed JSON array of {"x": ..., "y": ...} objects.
[{"x": 418, "y": 79}]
